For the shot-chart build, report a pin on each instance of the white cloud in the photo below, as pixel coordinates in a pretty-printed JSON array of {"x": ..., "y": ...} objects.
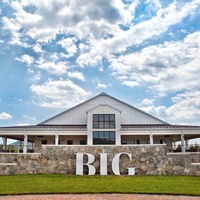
[
  {"x": 56, "y": 68},
  {"x": 147, "y": 102},
  {"x": 20, "y": 100},
  {"x": 184, "y": 110},
  {"x": 80, "y": 18},
  {"x": 26, "y": 59},
  {"x": 139, "y": 33},
  {"x": 131, "y": 83},
  {"x": 37, "y": 48},
  {"x": 92, "y": 31},
  {"x": 5, "y": 116},
  {"x": 86, "y": 60},
  {"x": 59, "y": 94},
  {"x": 10, "y": 24},
  {"x": 69, "y": 45},
  {"x": 172, "y": 66},
  {"x": 36, "y": 77},
  {"x": 29, "y": 117},
  {"x": 77, "y": 75},
  {"x": 101, "y": 85}
]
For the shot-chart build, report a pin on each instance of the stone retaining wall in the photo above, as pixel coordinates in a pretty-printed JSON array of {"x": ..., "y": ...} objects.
[{"x": 148, "y": 159}]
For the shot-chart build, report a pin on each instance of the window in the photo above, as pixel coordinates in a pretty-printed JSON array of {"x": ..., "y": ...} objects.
[
  {"x": 44, "y": 142},
  {"x": 104, "y": 137},
  {"x": 69, "y": 142},
  {"x": 124, "y": 142},
  {"x": 162, "y": 142},
  {"x": 136, "y": 141},
  {"x": 83, "y": 142},
  {"x": 103, "y": 121}
]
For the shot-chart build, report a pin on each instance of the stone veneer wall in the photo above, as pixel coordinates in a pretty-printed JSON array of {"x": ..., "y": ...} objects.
[{"x": 149, "y": 160}]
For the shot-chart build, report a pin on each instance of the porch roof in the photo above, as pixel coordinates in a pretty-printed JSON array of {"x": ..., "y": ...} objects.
[
  {"x": 43, "y": 127},
  {"x": 84, "y": 127},
  {"x": 158, "y": 127}
]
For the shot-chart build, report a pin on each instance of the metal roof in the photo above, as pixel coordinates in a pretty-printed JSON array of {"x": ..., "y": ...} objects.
[
  {"x": 45, "y": 127},
  {"x": 158, "y": 126},
  {"x": 84, "y": 127}
]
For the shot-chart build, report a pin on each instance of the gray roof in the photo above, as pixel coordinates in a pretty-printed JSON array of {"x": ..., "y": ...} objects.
[
  {"x": 45, "y": 127},
  {"x": 84, "y": 127},
  {"x": 158, "y": 126}
]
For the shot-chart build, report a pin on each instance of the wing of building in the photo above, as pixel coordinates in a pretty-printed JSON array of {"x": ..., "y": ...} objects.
[{"x": 101, "y": 120}]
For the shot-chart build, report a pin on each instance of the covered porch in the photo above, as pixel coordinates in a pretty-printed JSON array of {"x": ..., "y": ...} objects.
[
  {"x": 177, "y": 138},
  {"x": 31, "y": 138}
]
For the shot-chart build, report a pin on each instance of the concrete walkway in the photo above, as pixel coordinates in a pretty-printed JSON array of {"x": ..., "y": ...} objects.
[{"x": 98, "y": 197}]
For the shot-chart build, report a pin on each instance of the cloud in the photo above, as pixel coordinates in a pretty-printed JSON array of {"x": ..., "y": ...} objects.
[
  {"x": 5, "y": 116},
  {"x": 147, "y": 102},
  {"x": 26, "y": 59},
  {"x": 137, "y": 34},
  {"x": 130, "y": 83},
  {"x": 20, "y": 100},
  {"x": 43, "y": 21},
  {"x": 77, "y": 75},
  {"x": 184, "y": 110},
  {"x": 101, "y": 85},
  {"x": 172, "y": 66},
  {"x": 59, "y": 37},
  {"x": 37, "y": 48},
  {"x": 69, "y": 45},
  {"x": 36, "y": 77},
  {"x": 29, "y": 117},
  {"x": 59, "y": 94},
  {"x": 56, "y": 68}
]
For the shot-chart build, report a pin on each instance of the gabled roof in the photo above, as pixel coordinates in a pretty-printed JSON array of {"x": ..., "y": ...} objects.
[
  {"x": 97, "y": 96},
  {"x": 104, "y": 105}
]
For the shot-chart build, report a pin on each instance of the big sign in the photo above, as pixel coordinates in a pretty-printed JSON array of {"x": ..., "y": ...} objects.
[{"x": 103, "y": 164}]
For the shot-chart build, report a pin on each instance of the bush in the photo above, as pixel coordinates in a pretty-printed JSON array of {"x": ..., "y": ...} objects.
[{"x": 194, "y": 148}]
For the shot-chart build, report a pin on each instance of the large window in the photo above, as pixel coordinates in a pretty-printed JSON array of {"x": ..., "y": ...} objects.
[
  {"x": 136, "y": 141},
  {"x": 103, "y": 121},
  {"x": 70, "y": 142},
  {"x": 104, "y": 137},
  {"x": 44, "y": 141}
]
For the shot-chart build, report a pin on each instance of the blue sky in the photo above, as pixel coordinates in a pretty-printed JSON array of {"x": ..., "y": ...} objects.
[{"x": 55, "y": 54}]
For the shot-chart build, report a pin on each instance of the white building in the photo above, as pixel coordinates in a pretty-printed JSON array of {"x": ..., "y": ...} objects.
[{"x": 101, "y": 120}]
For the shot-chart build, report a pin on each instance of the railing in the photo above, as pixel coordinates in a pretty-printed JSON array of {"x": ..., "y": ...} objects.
[
  {"x": 16, "y": 148},
  {"x": 188, "y": 148},
  {"x": 37, "y": 149}
]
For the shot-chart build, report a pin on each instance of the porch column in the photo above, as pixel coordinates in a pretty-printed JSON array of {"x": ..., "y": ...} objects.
[
  {"x": 20, "y": 144},
  {"x": 56, "y": 138},
  {"x": 118, "y": 138},
  {"x": 90, "y": 138},
  {"x": 186, "y": 145},
  {"x": 182, "y": 142},
  {"x": 151, "y": 138},
  {"x": 4, "y": 143},
  {"x": 25, "y": 143}
]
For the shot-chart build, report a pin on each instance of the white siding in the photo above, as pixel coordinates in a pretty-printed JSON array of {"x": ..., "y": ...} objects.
[{"x": 129, "y": 115}]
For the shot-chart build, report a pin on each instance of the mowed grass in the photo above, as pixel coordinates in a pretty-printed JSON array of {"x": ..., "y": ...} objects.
[{"x": 57, "y": 184}]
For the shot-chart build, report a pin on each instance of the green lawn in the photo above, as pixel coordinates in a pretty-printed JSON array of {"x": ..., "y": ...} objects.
[{"x": 52, "y": 183}]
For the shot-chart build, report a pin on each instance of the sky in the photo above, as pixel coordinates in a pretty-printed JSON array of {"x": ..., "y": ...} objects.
[{"x": 56, "y": 54}]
